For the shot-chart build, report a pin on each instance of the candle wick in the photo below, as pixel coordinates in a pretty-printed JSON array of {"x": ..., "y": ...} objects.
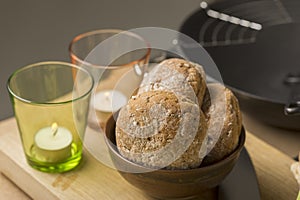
[{"x": 54, "y": 129}]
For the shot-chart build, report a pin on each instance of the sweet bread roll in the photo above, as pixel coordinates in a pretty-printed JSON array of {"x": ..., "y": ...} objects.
[
  {"x": 157, "y": 129},
  {"x": 224, "y": 119},
  {"x": 184, "y": 78}
]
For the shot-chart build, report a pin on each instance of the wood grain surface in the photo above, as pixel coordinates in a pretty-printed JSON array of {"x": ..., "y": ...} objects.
[{"x": 93, "y": 180}]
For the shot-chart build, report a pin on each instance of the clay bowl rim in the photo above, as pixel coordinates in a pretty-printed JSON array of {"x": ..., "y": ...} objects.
[{"x": 110, "y": 124}]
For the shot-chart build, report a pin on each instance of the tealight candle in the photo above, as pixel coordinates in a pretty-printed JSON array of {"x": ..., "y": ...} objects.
[
  {"x": 53, "y": 144},
  {"x": 109, "y": 100}
]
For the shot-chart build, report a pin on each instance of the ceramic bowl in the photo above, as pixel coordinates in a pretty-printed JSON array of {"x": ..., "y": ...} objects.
[{"x": 172, "y": 184}]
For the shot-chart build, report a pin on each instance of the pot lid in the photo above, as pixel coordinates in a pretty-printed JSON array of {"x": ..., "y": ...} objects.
[{"x": 255, "y": 44}]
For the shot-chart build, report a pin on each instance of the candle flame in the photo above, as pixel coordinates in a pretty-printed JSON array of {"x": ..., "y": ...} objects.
[
  {"x": 54, "y": 128},
  {"x": 107, "y": 96}
]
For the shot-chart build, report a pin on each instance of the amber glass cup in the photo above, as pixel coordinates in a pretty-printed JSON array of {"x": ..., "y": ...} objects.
[{"x": 117, "y": 61}]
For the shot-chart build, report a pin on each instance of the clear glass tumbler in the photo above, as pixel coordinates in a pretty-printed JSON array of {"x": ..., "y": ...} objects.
[{"x": 51, "y": 101}]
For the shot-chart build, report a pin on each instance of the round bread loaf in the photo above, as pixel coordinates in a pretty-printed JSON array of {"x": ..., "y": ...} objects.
[
  {"x": 224, "y": 119},
  {"x": 158, "y": 129},
  {"x": 184, "y": 78}
]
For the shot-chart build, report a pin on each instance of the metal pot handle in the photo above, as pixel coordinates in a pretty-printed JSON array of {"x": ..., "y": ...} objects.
[
  {"x": 292, "y": 109},
  {"x": 293, "y": 105}
]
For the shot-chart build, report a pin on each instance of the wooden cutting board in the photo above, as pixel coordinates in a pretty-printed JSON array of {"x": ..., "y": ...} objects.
[
  {"x": 93, "y": 180},
  {"x": 90, "y": 180}
]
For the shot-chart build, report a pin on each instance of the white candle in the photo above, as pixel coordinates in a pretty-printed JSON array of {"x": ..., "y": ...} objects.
[
  {"x": 53, "y": 144},
  {"x": 109, "y": 100}
]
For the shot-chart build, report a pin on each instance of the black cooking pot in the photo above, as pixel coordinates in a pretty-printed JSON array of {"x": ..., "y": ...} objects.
[{"x": 256, "y": 46}]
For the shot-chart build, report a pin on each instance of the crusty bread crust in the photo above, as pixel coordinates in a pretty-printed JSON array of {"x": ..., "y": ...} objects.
[
  {"x": 221, "y": 143},
  {"x": 177, "y": 121},
  {"x": 156, "y": 128},
  {"x": 184, "y": 78}
]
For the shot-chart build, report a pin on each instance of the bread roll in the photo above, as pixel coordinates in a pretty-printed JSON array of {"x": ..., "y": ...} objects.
[
  {"x": 177, "y": 121},
  {"x": 224, "y": 119},
  {"x": 157, "y": 129},
  {"x": 184, "y": 78}
]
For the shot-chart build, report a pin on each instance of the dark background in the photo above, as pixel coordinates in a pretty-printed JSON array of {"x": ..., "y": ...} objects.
[{"x": 34, "y": 30}]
